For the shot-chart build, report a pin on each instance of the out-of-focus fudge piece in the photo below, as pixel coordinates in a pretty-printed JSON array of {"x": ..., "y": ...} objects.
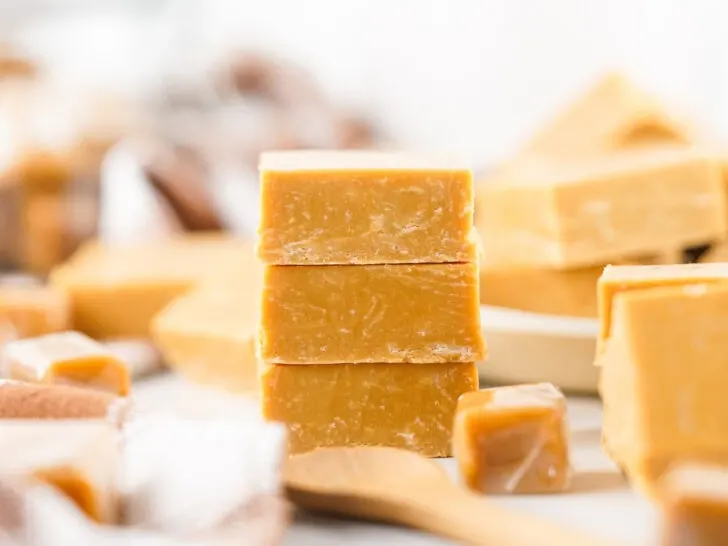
[
  {"x": 663, "y": 367},
  {"x": 19, "y": 400},
  {"x": 616, "y": 279},
  {"x": 371, "y": 313},
  {"x": 116, "y": 290},
  {"x": 513, "y": 439},
  {"x": 80, "y": 458},
  {"x": 717, "y": 253},
  {"x": 611, "y": 115},
  {"x": 409, "y": 406},
  {"x": 67, "y": 358},
  {"x": 209, "y": 334},
  {"x": 355, "y": 207},
  {"x": 551, "y": 213},
  {"x": 194, "y": 477},
  {"x": 34, "y": 310},
  {"x": 694, "y": 499},
  {"x": 568, "y": 292}
]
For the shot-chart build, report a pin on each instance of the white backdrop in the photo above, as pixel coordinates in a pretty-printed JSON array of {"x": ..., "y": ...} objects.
[{"x": 470, "y": 76}]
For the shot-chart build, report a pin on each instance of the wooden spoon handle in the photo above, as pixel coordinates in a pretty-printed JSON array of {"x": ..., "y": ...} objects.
[{"x": 466, "y": 517}]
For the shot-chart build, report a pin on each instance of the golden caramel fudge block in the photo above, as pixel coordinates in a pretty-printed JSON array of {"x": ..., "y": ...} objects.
[
  {"x": 19, "y": 400},
  {"x": 371, "y": 313},
  {"x": 356, "y": 207},
  {"x": 68, "y": 358},
  {"x": 612, "y": 114},
  {"x": 616, "y": 279},
  {"x": 116, "y": 290},
  {"x": 551, "y": 213},
  {"x": 209, "y": 334},
  {"x": 34, "y": 310},
  {"x": 694, "y": 500},
  {"x": 663, "y": 368},
  {"x": 80, "y": 458},
  {"x": 513, "y": 439},
  {"x": 409, "y": 406}
]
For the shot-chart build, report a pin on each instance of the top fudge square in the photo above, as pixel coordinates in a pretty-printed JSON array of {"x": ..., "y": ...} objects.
[{"x": 364, "y": 207}]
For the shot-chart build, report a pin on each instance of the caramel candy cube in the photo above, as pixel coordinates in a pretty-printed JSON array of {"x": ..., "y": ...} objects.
[
  {"x": 79, "y": 458},
  {"x": 209, "y": 334},
  {"x": 34, "y": 310},
  {"x": 421, "y": 313},
  {"x": 67, "y": 358},
  {"x": 513, "y": 439},
  {"x": 616, "y": 279},
  {"x": 409, "y": 406},
  {"x": 663, "y": 371},
  {"x": 547, "y": 213},
  {"x": 695, "y": 505},
  {"x": 357, "y": 207}
]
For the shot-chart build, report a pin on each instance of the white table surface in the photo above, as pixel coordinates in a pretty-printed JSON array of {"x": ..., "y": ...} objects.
[{"x": 600, "y": 501}]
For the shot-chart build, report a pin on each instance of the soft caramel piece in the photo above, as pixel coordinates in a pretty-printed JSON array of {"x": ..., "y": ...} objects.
[
  {"x": 549, "y": 213},
  {"x": 694, "y": 499},
  {"x": 356, "y": 207},
  {"x": 408, "y": 406},
  {"x": 616, "y": 279},
  {"x": 34, "y": 310},
  {"x": 513, "y": 439},
  {"x": 610, "y": 115},
  {"x": 67, "y": 358},
  {"x": 209, "y": 334},
  {"x": 116, "y": 290},
  {"x": 371, "y": 313},
  {"x": 663, "y": 368},
  {"x": 79, "y": 458}
]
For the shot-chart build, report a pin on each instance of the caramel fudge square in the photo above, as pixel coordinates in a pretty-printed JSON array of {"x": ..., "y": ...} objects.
[
  {"x": 421, "y": 313},
  {"x": 364, "y": 207},
  {"x": 550, "y": 213}
]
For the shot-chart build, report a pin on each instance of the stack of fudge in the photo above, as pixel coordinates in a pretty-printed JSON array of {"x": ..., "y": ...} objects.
[
  {"x": 369, "y": 320},
  {"x": 614, "y": 178}
]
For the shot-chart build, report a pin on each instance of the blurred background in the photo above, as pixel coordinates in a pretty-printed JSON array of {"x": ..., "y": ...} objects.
[{"x": 130, "y": 118}]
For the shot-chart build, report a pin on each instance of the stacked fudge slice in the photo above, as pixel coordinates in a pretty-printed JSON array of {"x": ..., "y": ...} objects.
[{"x": 369, "y": 320}]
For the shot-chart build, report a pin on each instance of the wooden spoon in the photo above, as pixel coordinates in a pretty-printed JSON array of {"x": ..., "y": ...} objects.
[{"x": 401, "y": 487}]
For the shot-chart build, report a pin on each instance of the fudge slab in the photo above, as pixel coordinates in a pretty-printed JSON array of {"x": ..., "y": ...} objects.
[
  {"x": 209, "y": 334},
  {"x": 694, "y": 500},
  {"x": 80, "y": 458},
  {"x": 67, "y": 358},
  {"x": 355, "y": 207},
  {"x": 116, "y": 289},
  {"x": 616, "y": 279},
  {"x": 550, "y": 213},
  {"x": 409, "y": 406},
  {"x": 513, "y": 440},
  {"x": 418, "y": 313},
  {"x": 663, "y": 371}
]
